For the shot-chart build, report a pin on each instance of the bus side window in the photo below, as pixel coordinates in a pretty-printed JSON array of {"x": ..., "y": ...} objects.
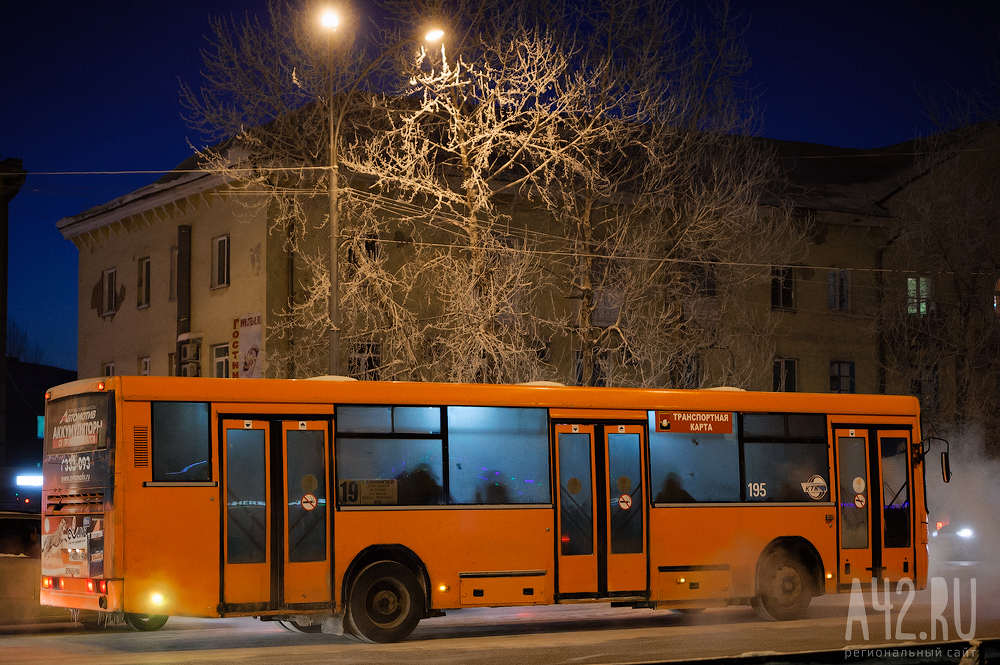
[
  {"x": 181, "y": 443},
  {"x": 498, "y": 455},
  {"x": 690, "y": 468}
]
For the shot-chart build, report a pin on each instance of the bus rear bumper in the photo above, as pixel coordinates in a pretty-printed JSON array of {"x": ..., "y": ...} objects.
[{"x": 76, "y": 596}]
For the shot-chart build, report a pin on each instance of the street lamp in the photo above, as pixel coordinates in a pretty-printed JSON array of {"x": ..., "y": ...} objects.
[{"x": 330, "y": 20}]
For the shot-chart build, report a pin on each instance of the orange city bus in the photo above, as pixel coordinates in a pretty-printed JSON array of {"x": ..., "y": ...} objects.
[{"x": 367, "y": 506}]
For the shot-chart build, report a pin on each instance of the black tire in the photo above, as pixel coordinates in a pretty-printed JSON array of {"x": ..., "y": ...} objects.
[
  {"x": 784, "y": 587},
  {"x": 145, "y": 622},
  {"x": 385, "y": 603}
]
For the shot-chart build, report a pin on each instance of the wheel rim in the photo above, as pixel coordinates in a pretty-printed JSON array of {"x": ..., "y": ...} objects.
[
  {"x": 787, "y": 586},
  {"x": 387, "y": 603}
]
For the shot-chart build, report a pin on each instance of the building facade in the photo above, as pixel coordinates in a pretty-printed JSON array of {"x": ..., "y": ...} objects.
[{"x": 189, "y": 276}]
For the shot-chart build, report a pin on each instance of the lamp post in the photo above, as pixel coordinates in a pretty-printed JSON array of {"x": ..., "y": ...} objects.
[{"x": 329, "y": 20}]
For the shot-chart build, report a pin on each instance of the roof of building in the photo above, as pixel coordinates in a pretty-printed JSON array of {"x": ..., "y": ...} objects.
[{"x": 818, "y": 177}]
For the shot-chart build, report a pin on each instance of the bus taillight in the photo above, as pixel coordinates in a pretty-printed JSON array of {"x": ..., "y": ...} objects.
[
  {"x": 62, "y": 583},
  {"x": 102, "y": 586},
  {"x": 90, "y": 586},
  {"x": 48, "y": 582}
]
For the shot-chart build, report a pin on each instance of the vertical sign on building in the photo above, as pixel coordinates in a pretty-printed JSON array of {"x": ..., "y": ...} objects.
[{"x": 247, "y": 347}]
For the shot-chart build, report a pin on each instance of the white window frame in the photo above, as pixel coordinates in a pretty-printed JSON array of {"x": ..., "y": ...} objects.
[
  {"x": 109, "y": 286},
  {"x": 842, "y": 371},
  {"x": 781, "y": 370},
  {"x": 783, "y": 288},
  {"x": 839, "y": 290},
  {"x": 143, "y": 288},
  {"x": 108, "y": 369},
  {"x": 920, "y": 295},
  {"x": 144, "y": 366},
  {"x": 365, "y": 361},
  {"x": 220, "y": 361},
  {"x": 220, "y": 261}
]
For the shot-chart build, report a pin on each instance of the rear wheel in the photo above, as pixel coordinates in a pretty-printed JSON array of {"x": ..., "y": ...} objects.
[
  {"x": 385, "y": 603},
  {"x": 784, "y": 587},
  {"x": 145, "y": 621}
]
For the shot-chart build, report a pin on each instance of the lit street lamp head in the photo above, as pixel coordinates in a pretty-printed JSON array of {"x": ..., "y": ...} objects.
[
  {"x": 329, "y": 19},
  {"x": 434, "y": 35}
]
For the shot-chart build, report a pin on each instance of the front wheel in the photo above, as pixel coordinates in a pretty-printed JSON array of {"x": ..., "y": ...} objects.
[
  {"x": 145, "y": 622},
  {"x": 385, "y": 603},
  {"x": 784, "y": 587}
]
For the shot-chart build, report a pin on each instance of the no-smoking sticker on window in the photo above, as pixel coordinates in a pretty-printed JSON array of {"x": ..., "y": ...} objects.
[{"x": 624, "y": 502}]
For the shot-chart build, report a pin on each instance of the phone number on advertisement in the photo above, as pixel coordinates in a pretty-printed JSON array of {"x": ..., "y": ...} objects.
[{"x": 72, "y": 463}]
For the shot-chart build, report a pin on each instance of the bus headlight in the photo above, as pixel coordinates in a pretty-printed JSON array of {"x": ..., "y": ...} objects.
[{"x": 157, "y": 598}]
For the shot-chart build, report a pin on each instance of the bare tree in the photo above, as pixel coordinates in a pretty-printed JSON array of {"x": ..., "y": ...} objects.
[
  {"x": 554, "y": 176},
  {"x": 940, "y": 307},
  {"x": 618, "y": 126}
]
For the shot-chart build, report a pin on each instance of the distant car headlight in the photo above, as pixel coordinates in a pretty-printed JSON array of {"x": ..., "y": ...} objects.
[{"x": 965, "y": 533}]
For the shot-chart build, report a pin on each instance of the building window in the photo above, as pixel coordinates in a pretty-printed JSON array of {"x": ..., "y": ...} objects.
[
  {"x": 220, "y": 262},
  {"x": 108, "y": 288},
  {"x": 365, "y": 249},
  {"x": 173, "y": 274},
  {"x": 220, "y": 361},
  {"x": 919, "y": 295},
  {"x": 781, "y": 288},
  {"x": 702, "y": 280},
  {"x": 607, "y": 297},
  {"x": 686, "y": 372},
  {"x": 924, "y": 385},
  {"x": 143, "y": 287},
  {"x": 144, "y": 364},
  {"x": 838, "y": 290},
  {"x": 842, "y": 376},
  {"x": 171, "y": 364},
  {"x": 784, "y": 375},
  {"x": 365, "y": 361},
  {"x": 109, "y": 369}
]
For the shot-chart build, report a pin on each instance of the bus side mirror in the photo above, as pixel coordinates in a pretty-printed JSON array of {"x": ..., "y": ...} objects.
[{"x": 945, "y": 467}]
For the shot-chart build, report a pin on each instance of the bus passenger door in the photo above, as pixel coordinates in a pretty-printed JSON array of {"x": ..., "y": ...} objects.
[
  {"x": 577, "y": 527},
  {"x": 246, "y": 525},
  {"x": 306, "y": 536},
  {"x": 601, "y": 513},
  {"x": 893, "y": 463},
  {"x": 856, "y": 558},
  {"x": 626, "y": 514}
]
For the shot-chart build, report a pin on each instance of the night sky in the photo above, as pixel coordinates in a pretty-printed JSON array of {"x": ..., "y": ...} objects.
[{"x": 93, "y": 87}]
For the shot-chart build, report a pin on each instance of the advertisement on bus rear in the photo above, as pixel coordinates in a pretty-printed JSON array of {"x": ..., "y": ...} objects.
[
  {"x": 73, "y": 546},
  {"x": 77, "y": 423},
  {"x": 78, "y": 431}
]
